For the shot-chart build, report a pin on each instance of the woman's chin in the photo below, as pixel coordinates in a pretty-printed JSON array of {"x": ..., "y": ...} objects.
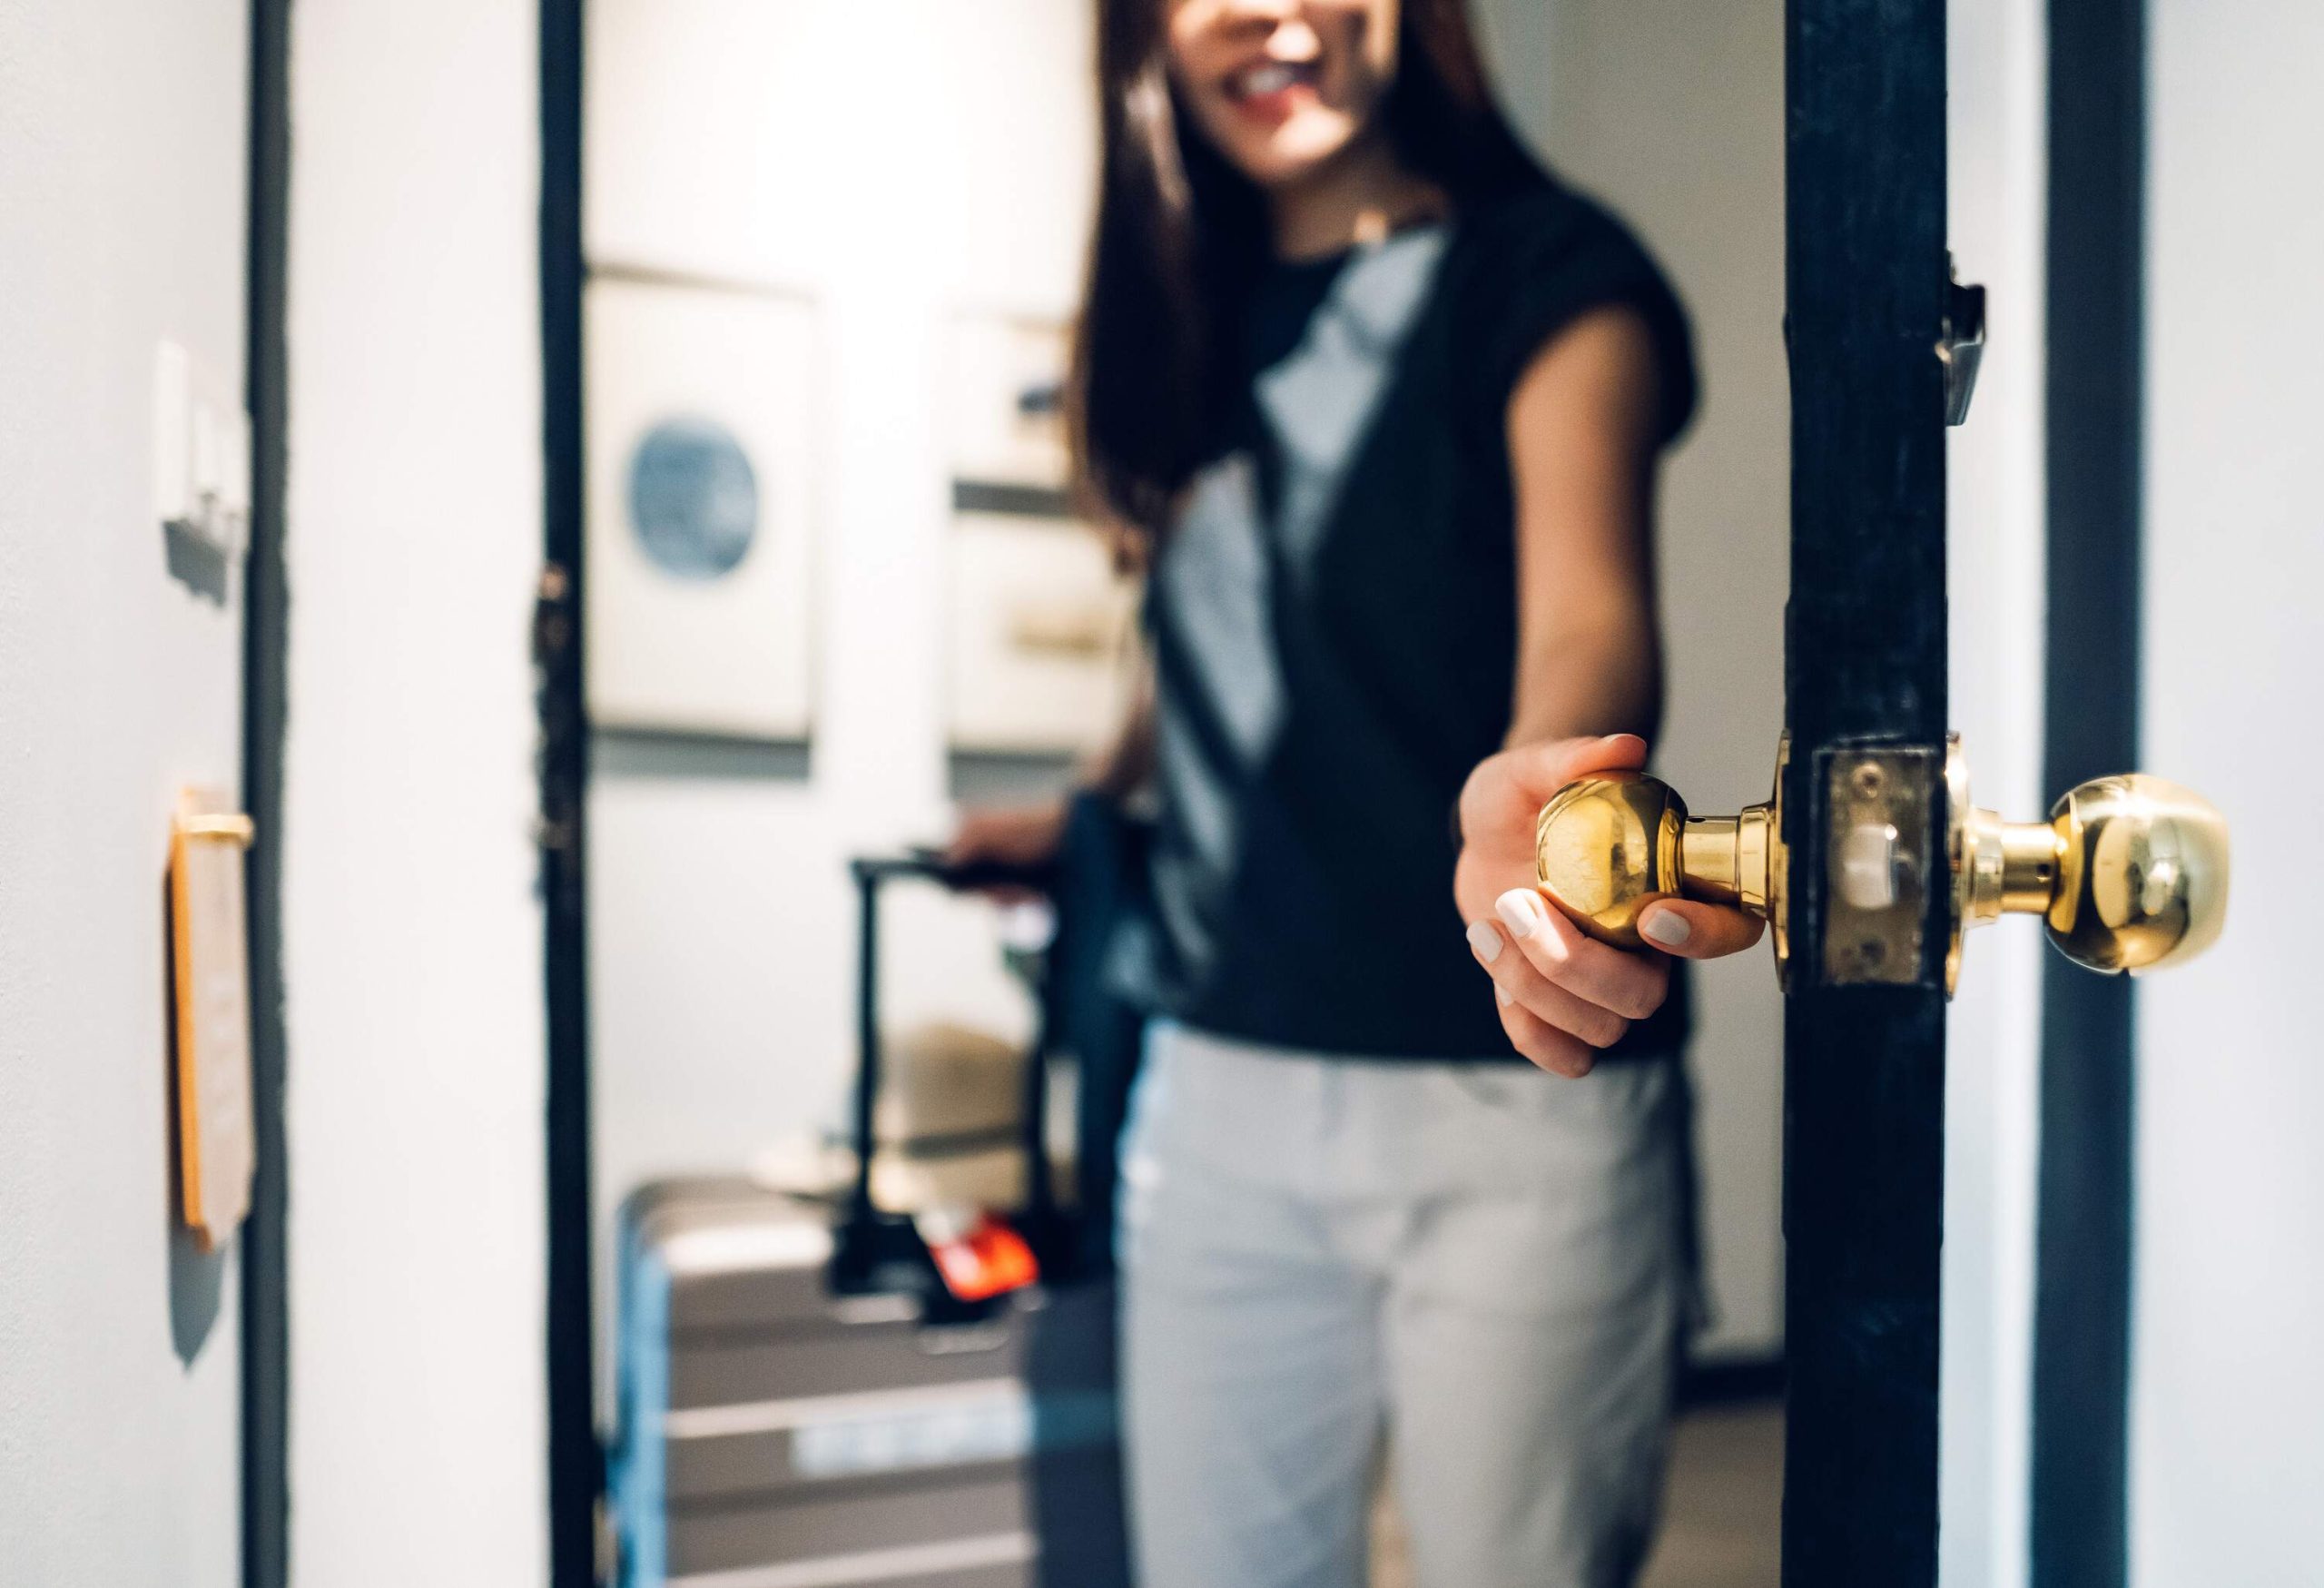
[{"x": 1293, "y": 154}]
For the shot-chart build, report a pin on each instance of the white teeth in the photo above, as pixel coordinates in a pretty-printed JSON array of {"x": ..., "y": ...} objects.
[{"x": 1267, "y": 79}]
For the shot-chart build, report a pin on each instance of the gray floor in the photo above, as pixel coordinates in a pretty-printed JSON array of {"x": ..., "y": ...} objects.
[{"x": 1721, "y": 1513}]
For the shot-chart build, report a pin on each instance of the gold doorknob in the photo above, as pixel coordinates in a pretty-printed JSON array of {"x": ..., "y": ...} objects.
[
  {"x": 2130, "y": 873},
  {"x": 1605, "y": 846}
]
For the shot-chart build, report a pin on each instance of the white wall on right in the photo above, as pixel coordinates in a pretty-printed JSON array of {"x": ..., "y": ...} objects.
[
  {"x": 2228, "y": 1408},
  {"x": 1998, "y": 159}
]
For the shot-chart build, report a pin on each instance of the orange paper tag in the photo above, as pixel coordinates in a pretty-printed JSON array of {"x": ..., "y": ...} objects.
[{"x": 210, "y": 945}]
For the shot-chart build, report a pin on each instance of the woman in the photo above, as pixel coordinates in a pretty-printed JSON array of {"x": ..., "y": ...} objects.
[{"x": 1378, "y": 405}]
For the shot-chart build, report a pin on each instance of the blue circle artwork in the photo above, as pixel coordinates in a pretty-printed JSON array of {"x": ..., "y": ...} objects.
[{"x": 694, "y": 499}]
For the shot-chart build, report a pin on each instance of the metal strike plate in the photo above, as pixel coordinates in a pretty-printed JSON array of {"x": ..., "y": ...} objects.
[{"x": 1879, "y": 858}]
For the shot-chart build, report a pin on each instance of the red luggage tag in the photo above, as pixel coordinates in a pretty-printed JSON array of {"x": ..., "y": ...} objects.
[{"x": 977, "y": 1256}]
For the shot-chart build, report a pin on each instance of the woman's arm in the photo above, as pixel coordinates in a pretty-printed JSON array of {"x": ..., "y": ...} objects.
[
  {"x": 1583, "y": 438},
  {"x": 1126, "y": 763},
  {"x": 1030, "y": 834},
  {"x": 1583, "y": 445}
]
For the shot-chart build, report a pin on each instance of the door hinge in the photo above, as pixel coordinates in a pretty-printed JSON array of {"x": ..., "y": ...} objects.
[
  {"x": 552, "y": 616},
  {"x": 1961, "y": 344},
  {"x": 559, "y": 745}
]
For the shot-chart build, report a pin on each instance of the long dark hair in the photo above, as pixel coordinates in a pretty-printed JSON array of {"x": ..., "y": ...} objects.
[{"x": 1181, "y": 235}]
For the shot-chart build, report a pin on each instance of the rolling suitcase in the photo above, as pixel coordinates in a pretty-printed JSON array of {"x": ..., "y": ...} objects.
[{"x": 804, "y": 1402}]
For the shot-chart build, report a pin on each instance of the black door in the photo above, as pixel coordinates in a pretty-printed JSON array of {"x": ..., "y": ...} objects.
[{"x": 1867, "y": 712}]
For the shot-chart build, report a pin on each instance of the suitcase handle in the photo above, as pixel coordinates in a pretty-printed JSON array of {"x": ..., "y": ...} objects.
[
  {"x": 874, "y": 1244},
  {"x": 974, "y": 875}
]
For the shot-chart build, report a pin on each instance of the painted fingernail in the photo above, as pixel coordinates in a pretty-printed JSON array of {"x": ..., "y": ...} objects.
[
  {"x": 1557, "y": 937},
  {"x": 1486, "y": 940},
  {"x": 1666, "y": 927},
  {"x": 1521, "y": 910},
  {"x": 1501, "y": 995}
]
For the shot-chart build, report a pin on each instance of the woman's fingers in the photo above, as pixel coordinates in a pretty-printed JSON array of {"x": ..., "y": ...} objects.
[
  {"x": 1630, "y": 985},
  {"x": 1558, "y": 1053},
  {"x": 1508, "y": 790},
  {"x": 1698, "y": 932},
  {"x": 1539, "y": 771},
  {"x": 1563, "y": 993},
  {"x": 1517, "y": 984}
]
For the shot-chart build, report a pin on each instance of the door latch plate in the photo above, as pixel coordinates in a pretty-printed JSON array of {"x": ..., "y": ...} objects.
[{"x": 1880, "y": 855}]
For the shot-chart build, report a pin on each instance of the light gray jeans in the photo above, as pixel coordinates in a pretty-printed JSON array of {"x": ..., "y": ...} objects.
[{"x": 1481, "y": 1262}]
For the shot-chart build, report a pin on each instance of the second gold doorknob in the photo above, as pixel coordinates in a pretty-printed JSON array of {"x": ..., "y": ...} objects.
[{"x": 2130, "y": 873}]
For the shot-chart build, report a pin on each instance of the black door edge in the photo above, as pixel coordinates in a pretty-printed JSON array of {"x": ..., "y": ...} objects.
[
  {"x": 1865, "y": 666},
  {"x": 2095, "y": 292}
]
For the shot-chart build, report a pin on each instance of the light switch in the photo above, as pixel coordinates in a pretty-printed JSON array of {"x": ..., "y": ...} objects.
[
  {"x": 173, "y": 435},
  {"x": 201, "y": 447}
]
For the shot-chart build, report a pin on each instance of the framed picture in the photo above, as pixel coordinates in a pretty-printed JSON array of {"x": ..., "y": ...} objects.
[
  {"x": 700, "y": 522},
  {"x": 1040, "y": 616},
  {"x": 1004, "y": 407},
  {"x": 1040, "y": 623}
]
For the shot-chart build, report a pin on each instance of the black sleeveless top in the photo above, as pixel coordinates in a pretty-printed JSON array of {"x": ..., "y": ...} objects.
[{"x": 1335, "y": 627}]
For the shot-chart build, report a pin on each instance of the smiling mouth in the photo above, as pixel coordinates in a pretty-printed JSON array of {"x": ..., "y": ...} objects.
[{"x": 1271, "y": 78}]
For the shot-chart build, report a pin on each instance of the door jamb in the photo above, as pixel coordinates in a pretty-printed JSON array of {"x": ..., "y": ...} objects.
[
  {"x": 2083, "y": 1234},
  {"x": 265, "y": 1233},
  {"x": 576, "y": 1459}
]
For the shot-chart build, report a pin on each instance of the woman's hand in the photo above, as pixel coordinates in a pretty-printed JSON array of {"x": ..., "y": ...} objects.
[
  {"x": 1563, "y": 994},
  {"x": 1009, "y": 835}
]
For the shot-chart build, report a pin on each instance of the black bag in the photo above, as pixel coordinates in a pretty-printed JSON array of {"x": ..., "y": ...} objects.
[{"x": 1091, "y": 1007}]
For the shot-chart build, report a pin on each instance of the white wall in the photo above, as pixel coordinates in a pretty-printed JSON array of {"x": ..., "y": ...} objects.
[
  {"x": 413, "y": 940},
  {"x": 730, "y": 138},
  {"x": 2228, "y": 1419},
  {"x": 1680, "y": 126},
  {"x": 1998, "y": 133},
  {"x": 122, "y": 167}
]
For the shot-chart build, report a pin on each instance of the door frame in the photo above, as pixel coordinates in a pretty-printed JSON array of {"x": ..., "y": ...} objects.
[
  {"x": 2085, "y": 1226},
  {"x": 576, "y": 1457},
  {"x": 264, "y": 1239}
]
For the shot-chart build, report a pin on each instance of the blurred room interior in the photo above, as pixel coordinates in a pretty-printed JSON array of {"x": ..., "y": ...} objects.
[
  {"x": 808, "y": 437},
  {"x": 919, "y": 286}
]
